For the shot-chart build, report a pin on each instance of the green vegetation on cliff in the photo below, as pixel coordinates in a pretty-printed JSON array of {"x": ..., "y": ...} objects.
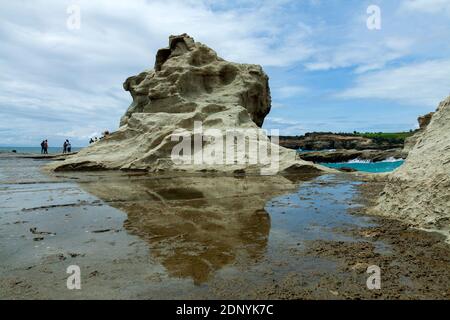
[{"x": 396, "y": 137}]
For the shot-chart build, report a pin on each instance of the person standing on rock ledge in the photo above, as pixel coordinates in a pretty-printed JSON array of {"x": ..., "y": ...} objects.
[
  {"x": 65, "y": 146},
  {"x": 43, "y": 147}
]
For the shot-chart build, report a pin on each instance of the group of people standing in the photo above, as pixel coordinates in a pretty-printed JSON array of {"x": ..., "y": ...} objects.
[
  {"x": 67, "y": 147},
  {"x": 95, "y": 139},
  {"x": 44, "y": 147}
]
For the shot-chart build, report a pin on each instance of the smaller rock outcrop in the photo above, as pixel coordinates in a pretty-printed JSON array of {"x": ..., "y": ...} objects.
[{"x": 410, "y": 142}]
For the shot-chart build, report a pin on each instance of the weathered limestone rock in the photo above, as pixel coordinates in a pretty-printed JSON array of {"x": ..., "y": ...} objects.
[
  {"x": 189, "y": 75},
  {"x": 410, "y": 142},
  {"x": 189, "y": 84},
  {"x": 419, "y": 191}
]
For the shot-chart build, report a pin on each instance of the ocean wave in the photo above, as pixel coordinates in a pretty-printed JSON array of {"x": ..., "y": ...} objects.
[
  {"x": 390, "y": 159},
  {"x": 357, "y": 160}
]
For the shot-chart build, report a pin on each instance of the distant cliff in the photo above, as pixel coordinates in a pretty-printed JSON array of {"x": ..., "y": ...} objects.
[{"x": 354, "y": 141}]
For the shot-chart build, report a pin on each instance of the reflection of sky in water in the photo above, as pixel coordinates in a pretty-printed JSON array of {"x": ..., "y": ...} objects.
[
  {"x": 314, "y": 211},
  {"x": 185, "y": 230}
]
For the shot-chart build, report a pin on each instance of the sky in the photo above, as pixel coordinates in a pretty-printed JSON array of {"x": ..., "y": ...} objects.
[{"x": 329, "y": 69}]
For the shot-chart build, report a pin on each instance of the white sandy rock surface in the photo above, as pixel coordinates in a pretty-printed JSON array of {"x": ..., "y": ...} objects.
[
  {"x": 419, "y": 191},
  {"x": 188, "y": 84}
]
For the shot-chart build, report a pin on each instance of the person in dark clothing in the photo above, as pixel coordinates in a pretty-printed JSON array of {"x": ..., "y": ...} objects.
[
  {"x": 45, "y": 147},
  {"x": 65, "y": 147},
  {"x": 42, "y": 147},
  {"x": 69, "y": 146}
]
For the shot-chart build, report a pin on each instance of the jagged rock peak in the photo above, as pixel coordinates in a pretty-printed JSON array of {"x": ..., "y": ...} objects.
[
  {"x": 189, "y": 74},
  {"x": 178, "y": 45}
]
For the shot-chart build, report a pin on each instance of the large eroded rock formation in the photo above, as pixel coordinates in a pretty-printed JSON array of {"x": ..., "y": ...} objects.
[
  {"x": 419, "y": 191},
  {"x": 189, "y": 83}
]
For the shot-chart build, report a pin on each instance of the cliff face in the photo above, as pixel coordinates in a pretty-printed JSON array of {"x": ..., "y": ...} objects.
[
  {"x": 189, "y": 84},
  {"x": 419, "y": 191}
]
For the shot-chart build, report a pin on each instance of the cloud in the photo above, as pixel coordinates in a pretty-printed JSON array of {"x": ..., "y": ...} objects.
[
  {"x": 62, "y": 80},
  {"x": 365, "y": 55},
  {"x": 289, "y": 91},
  {"x": 289, "y": 127},
  {"x": 284, "y": 126},
  {"x": 282, "y": 121},
  {"x": 427, "y": 6},
  {"x": 56, "y": 82},
  {"x": 420, "y": 84}
]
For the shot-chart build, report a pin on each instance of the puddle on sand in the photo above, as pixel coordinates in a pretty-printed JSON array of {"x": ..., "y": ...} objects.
[
  {"x": 315, "y": 211},
  {"x": 165, "y": 237}
]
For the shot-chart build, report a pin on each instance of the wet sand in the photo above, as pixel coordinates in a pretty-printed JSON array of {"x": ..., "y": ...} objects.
[{"x": 138, "y": 236}]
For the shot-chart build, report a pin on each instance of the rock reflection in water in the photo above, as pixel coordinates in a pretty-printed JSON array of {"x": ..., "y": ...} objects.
[{"x": 196, "y": 225}]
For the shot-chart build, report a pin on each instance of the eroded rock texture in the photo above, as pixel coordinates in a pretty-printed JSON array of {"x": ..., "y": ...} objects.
[
  {"x": 419, "y": 191},
  {"x": 189, "y": 83}
]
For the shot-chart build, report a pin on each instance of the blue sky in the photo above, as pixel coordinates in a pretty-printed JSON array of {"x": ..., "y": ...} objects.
[{"x": 328, "y": 71}]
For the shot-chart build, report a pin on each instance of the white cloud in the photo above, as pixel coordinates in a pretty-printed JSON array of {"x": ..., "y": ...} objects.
[
  {"x": 289, "y": 91},
  {"x": 427, "y": 6},
  {"x": 61, "y": 80},
  {"x": 420, "y": 84},
  {"x": 285, "y": 126},
  {"x": 54, "y": 80},
  {"x": 282, "y": 121},
  {"x": 363, "y": 55}
]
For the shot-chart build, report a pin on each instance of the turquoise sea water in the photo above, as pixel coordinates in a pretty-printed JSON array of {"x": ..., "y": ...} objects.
[
  {"x": 35, "y": 149},
  {"x": 376, "y": 167},
  {"x": 365, "y": 166}
]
